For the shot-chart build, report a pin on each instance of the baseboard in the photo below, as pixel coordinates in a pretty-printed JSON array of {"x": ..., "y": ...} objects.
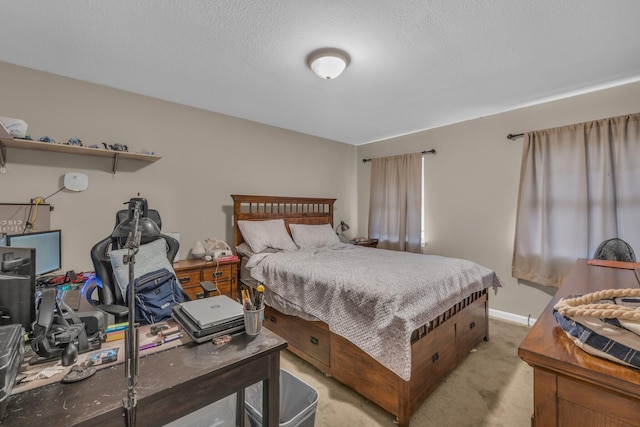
[{"x": 528, "y": 321}]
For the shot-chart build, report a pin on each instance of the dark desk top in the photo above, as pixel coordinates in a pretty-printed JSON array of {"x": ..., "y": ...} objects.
[
  {"x": 183, "y": 378},
  {"x": 546, "y": 345}
]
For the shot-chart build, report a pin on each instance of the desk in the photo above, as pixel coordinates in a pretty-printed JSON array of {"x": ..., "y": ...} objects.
[
  {"x": 572, "y": 387},
  {"x": 171, "y": 384}
]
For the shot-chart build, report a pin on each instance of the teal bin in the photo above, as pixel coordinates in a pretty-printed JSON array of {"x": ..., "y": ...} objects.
[{"x": 298, "y": 402}]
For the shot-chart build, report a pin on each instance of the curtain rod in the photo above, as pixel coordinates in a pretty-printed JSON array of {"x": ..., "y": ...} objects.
[
  {"x": 432, "y": 151},
  {"x": 512, "y": 136}
]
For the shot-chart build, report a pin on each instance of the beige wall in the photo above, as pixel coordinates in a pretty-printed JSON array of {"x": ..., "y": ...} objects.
[
  {"x": 471, "y": 185},
  {"x": 206, "y": 157}
]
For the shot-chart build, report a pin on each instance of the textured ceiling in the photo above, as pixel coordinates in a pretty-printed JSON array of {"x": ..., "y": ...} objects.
[{"x": 415, "y": 65}]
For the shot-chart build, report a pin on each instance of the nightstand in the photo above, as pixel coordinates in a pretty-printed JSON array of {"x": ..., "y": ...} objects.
[
  {"x": 191, "y": 272},
  {"x": 370, "y": 243}
]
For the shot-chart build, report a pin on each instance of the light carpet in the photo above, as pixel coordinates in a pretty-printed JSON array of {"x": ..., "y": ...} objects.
[{"x": 491, "y": 387}]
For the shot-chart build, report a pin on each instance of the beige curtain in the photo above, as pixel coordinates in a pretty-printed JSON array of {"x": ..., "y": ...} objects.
[
  {"x": 395, "y": 202},
  {"x": 579, "y": 186}
]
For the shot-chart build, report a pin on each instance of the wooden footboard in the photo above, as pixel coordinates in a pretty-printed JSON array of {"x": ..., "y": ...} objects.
[{"x": 436, "y": 350}]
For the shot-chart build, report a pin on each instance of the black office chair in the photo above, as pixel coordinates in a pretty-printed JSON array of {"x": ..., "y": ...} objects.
[{"x": 110, "y": 298}]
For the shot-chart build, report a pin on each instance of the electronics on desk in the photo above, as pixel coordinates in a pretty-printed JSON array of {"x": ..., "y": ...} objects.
[
  {"x": 207, "y": 318},
  {"x": 58, "y": 327},
  {"x": 23, "y": 261},
  {"x": 11, "y": 353},
  {"x": 17, "y": 286},
  {"x": 47, "y": 245}
]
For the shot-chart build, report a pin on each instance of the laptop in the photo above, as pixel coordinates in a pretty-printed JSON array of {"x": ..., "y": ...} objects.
[
  {"x": 233, "y": 325},
  {"x": 213, "y": 311},
  {"x": 202, "y": 335}
]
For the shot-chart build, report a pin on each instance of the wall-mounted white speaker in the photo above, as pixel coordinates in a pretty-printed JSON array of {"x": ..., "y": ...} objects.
[{"x": 76, "y": 181}]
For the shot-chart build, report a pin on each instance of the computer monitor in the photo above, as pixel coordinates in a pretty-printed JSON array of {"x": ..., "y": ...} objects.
[
  {"x": 17, "y": 286},
  {"x": 47, "y": 245}
]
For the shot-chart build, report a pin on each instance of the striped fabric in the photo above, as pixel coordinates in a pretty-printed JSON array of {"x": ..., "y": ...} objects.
[{"x": 606, "y": 338}]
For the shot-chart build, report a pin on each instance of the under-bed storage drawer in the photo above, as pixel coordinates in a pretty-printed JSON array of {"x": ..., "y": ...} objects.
[
  {"x": 310, "y": 337},
  {"x": 471, "y": 326},
  {"x": 438, "y": 349}
]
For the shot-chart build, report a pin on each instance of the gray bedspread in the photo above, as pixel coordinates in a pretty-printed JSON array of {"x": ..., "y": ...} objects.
[{"x": 375, "y": 298}]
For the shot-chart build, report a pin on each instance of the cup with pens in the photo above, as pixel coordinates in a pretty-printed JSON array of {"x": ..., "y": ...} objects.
[{"x": 253, "y": 304}]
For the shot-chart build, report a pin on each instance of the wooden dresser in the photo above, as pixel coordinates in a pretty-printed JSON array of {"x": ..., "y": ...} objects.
[
  {"x": 193, "y": 271},
  {"x": 571, "y": 387}
]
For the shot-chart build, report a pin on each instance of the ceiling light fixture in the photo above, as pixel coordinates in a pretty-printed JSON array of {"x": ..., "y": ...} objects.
[{"x": 328, "y": 63}]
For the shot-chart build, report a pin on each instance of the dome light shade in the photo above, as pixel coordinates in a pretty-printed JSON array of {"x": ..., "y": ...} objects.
[{"x": 328, "y": 63}]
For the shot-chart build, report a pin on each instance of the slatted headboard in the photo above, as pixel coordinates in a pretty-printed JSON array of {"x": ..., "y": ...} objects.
[{"x": 297, "y": 210}]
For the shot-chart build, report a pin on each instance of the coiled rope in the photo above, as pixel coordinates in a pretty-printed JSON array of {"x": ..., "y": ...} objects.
[{"x": 587, "y": 306}]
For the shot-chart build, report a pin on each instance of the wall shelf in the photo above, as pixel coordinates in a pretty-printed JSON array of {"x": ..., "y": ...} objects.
[{"x": 6, "y": 140}]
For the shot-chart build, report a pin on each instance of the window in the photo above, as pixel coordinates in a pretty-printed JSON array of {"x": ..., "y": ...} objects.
[{"x": 579, "y": 186}]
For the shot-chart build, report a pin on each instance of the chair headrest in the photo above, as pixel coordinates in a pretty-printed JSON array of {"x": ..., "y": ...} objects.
[{"x": 154, "y": 215}]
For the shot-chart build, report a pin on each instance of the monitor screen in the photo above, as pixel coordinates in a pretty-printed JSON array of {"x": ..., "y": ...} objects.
[{"x": 47, "y": 245}]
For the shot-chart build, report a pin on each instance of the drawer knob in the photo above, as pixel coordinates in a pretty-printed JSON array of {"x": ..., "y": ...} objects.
[
  {"x": 200, "y": 295},
  {"x": 272, "y": 319},
  {"x": 217, "y": 274},
  {"x": 472, "y": 325},
  {"x": 314, "y": 340},
  {"x": 184, "y": 280},
  {"x": 435, "y": 357}
]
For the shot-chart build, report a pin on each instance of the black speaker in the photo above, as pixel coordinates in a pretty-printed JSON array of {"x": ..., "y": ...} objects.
[
  {"x": 17, "y": 286},
  {"x": 94, "y": 321}
]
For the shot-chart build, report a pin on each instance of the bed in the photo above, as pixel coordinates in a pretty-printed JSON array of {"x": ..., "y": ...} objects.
[{"x": 374, "y": 364}]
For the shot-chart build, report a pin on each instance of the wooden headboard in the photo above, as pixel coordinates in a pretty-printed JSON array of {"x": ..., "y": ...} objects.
[{"x": 297, "y": 210}]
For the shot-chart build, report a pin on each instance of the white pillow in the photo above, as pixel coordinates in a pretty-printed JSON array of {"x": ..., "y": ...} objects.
[
  {"x": 150, "y": 257},
  {"x": 261, "y": 235},
  {"x": 313, "y": 236},
  {"x": 244, "y": 250}
]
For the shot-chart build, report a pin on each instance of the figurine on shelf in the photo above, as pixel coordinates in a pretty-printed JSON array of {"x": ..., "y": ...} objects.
[
  {"x": 115, "y": 147},
  {"x": 75, "y": 141}
]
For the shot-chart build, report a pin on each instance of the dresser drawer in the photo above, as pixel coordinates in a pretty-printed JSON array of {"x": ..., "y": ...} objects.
[
  {"x": 191, "y": 272},
  {"x": 187, "y": 278},
  {"x": 194, "y": 291},
  {"x": 224, "y": 277},
  {"x": 585, "y": 404},
  {"x": 223, "y": 272},
  {"x": 225, "y": 287}
]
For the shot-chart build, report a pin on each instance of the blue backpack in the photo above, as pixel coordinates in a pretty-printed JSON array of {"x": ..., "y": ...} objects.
[{"x": 156, "y": 293}]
